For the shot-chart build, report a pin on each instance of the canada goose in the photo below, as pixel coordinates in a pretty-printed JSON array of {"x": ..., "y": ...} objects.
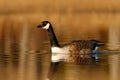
[{"x": 71, "y": 51}]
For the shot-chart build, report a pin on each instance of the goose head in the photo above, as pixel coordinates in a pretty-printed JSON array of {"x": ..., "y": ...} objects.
[{"x": 44, "y": 25}]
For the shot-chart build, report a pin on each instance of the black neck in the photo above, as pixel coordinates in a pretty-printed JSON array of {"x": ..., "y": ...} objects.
[{"x": 53, "y": 39}]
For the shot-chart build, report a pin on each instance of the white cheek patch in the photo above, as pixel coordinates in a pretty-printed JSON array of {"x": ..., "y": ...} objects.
[{"x": 47, "y": 26}]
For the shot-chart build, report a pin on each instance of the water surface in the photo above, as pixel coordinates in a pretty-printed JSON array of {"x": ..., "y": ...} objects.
[{"x": 25, "y": 50}]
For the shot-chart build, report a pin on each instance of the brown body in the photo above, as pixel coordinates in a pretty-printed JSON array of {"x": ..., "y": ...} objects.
[{"x": 80, "y": 51}]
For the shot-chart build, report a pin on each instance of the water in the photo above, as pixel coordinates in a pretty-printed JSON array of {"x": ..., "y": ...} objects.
[
  {"x": 35, "y": 66},
  {"x": 25, "y": 50}
]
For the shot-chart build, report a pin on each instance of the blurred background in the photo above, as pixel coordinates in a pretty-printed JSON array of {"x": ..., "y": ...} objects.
[
  {"x": 22, "y": 43},
  {"x": 73, "y": 19}
]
